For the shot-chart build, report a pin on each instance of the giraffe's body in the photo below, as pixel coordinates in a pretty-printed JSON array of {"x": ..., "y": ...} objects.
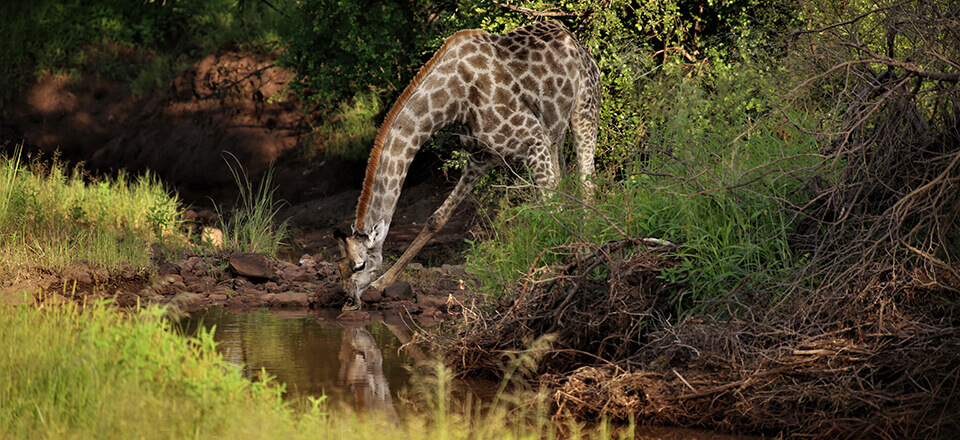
[{"x": 514, "y": 95}]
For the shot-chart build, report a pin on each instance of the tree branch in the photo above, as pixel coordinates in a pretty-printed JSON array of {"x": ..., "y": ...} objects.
[{"x": 937, "y": 76}]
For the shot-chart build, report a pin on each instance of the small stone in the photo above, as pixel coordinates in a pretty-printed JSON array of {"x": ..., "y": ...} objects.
[
  {"x": 208, "y": 216},
  {"x": 307, "y": 261},
  {"x": 432, "y": 301},
  {"x": 168, "y": 269},
  {"x": 291, "y": 299},
  {"x": 371, "y": 295},
  {"x": 78, "y": 272},
  {"x": 186, "y": 300},
  {"x": 401, "y": 290},
  {"x": 330, "y": 295},
  {"x": 212, "y": 236},
  {"x": 251, "y": 265}
]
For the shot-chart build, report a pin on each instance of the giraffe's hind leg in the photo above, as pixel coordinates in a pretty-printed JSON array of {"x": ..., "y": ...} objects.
[{"x": 472, "y": 172}]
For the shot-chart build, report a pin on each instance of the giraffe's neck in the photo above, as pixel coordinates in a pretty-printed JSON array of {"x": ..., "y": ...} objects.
[
  {"x": 404, "y": 137},
  {"x": 423, "y": 108}
]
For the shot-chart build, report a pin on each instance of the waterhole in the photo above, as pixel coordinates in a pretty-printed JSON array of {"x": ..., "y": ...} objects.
[{"x": 355, "y": 364}]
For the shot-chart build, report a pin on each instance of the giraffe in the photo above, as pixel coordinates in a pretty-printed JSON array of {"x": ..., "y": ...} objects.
[{"x": 514, "y": 96}]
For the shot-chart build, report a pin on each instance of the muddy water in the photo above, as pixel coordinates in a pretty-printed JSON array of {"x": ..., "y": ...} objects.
[
  {"x": 314, "y": 354},
  {"x": 357, "y": 364}
]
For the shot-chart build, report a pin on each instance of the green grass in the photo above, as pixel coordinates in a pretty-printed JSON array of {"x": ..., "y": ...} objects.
[{"x": 52, "y": 215}]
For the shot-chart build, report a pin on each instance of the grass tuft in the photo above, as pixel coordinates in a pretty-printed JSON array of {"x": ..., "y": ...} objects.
[{"x": 252, "y": 226}]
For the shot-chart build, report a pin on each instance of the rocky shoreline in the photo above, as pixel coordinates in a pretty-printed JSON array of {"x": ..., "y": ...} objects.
[{"x": 242, "y": 280}]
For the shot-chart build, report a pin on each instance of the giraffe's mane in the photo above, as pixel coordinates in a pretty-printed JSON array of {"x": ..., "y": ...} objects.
[{"x": 374, "y": 161}]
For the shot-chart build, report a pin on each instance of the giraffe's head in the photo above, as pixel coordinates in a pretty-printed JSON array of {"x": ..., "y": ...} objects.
[{"x": 361, "y": 255}]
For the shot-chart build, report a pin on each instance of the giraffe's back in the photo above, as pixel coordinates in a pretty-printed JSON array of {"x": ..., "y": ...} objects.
[{"x": 511, "y": 85}]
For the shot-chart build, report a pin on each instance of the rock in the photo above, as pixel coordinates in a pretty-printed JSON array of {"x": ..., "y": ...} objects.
[
  {"x": 436, "y": 302},
  {"x": 208, "y": 217},
  {"x": 168, "y": 269},
  {"x": 325, "y": 269},
  {"x": 78, "y": 272},
  {"x": 188, "y": 300},
  {"x": 372, "y": 295},
  {"x": 307, "y": 261},
  {"x": 330, "y": 295},
  {"x": 290, "y": 299},
  {"x": 19, "y": 294},
  {"x": 218, "y": 297},
  {"x": 405, "y": 305},
  {"x": 199, "y": 287},
  {"x": 432, "y": 312},
  {"x": 154, "y": 251},
  {"x": 244, "y": 301},
  {"x": 295, "y": 274},
  {"x": 401, "y": 290},
  {"x": 251, "y": 265}
]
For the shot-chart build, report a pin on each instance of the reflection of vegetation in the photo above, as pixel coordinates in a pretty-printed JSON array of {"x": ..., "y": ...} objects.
[{"x": 51, "y": 216}]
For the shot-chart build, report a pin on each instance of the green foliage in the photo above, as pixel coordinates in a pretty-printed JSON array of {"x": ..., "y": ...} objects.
[
  {"x": 252, "y": 226},
  {"x": 51, "y": 216},
  {"x": 341, "y": 49},
  {"x": 350, "y": 131}
]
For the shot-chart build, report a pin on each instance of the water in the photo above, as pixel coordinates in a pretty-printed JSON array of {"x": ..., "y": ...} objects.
[{"x": 314, "y": 354}]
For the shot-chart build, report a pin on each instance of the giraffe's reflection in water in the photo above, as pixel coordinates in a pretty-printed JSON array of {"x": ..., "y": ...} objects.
[
  {"x": 361, "y": 370},
  {"x": 313, "y": 354}
]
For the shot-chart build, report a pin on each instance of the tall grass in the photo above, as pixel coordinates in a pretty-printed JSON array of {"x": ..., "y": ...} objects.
[
  {"x": 252, "y": 226},
  {"x": 52, "y": 215}
]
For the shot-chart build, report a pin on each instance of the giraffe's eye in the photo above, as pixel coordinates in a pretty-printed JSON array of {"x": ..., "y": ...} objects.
[{"x": 359, "y": 267}]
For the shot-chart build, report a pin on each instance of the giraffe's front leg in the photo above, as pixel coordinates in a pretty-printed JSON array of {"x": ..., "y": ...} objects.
[{"x": 472, "y": 173}]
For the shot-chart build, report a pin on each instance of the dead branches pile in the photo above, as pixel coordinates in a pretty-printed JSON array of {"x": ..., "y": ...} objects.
[
  {"x": 886, "y": 377},
  {"x": 885, "y": 207},
  {"x": 595, "y": 316}
]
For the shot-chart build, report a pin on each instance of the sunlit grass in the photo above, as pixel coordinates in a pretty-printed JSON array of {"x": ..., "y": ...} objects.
[
  {"x": 52, "y": 215},
  {"x": 351, "y": 130},
  {"x": 252, "y": 226}
]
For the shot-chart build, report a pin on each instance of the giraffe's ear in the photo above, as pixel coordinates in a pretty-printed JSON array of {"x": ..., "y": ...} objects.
[{"x": 378, "y": 233}]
